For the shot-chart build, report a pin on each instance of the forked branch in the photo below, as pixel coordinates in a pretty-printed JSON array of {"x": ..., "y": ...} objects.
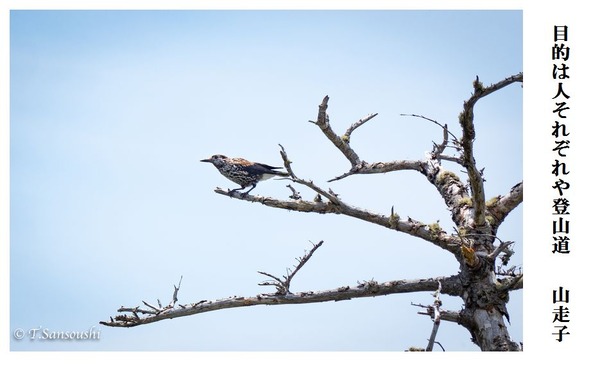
[
  {"x": 438, "y": 149},
  {"x": 328, "y": 202},
  {"x": 364, "y": 289},
  {"x": 283, "y": 285},
  {"x": 342, "y": 144},
  {"x": 358, "y": 166},
  {"x": 466, "y": 119}
]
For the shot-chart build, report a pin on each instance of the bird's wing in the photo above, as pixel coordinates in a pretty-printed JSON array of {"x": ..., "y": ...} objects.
[{"x": 267, "y": 167}]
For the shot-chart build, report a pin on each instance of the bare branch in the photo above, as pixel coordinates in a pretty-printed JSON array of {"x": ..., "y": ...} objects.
[
  {"x": 303, "y": 260},
  {"x": 445, "y": 315},
  {"x": 500, "y": 207},
  {"x": 365, "y": 168},
  {"x": 453, "y": 191},
  {"x": 452, "y": 286},
  {"x": 342, "y": 176},
  {"x": 466, "y": 121},
  {"x": 283, "y": 286},
  {"x": 504, "y": 247},
  {"x": 511, "y": 283},
  {"x": 436, "y": 317},
  {"x": 174, "y": 300},
  {"x": 449, "y": 185},
  {"x": 481, "y": 91},
  {"x": 343, "y": 146},
  {"x": 445, "y": 127},
  {"x": 430, "y": 233},
  {"x": 277, "y": 282},
  {"x": 454, "y": 159},
  {"x": 439, "y": 148},
  {"x": 151, "y": 307},
  {"x": 295, "y": 194},
  {"x": 358, "y": 166},
  {"x": 356, "y": 125},
  {"x": 288, "y": 165},
  {"x": 337, "y": 206},
  {"x": 160, "y": 308}
]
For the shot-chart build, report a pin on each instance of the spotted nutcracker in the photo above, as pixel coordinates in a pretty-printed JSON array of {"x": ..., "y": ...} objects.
[{"x": 243, "y": 172}]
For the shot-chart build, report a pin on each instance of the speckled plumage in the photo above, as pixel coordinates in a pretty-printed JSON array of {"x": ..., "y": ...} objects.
[{"x": 243, "y": 172}]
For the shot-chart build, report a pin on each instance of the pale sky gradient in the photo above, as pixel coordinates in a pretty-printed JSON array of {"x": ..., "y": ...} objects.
[{"x": 111, "y": 111}]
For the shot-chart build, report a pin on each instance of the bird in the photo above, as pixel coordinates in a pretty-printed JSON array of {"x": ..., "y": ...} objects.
[{"x": 243, "y": 172}]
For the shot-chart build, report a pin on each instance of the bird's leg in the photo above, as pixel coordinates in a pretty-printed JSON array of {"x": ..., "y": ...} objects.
[
  {"x": 229, "y": 192},
  {"x": 251, "y": 188}
]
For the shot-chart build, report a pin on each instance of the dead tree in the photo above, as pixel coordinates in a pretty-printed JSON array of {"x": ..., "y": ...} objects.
[{"x": 484, "y": 279}]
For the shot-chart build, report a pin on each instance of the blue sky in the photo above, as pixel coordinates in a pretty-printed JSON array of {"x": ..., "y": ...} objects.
[{"x": 111, "y": 111}]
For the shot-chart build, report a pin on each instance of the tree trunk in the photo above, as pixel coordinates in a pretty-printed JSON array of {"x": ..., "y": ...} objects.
[{"x": 488, "y": 330}]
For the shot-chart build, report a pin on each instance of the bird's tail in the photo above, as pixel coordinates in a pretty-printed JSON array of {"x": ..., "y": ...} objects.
[{"x": 282, "y": 175}]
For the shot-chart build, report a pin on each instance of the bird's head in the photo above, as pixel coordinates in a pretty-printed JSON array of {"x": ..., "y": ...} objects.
[{"x": 217, "y": 160}]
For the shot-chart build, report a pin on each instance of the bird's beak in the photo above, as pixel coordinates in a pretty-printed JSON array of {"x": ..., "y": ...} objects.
[{"x": 206, "y": 160}]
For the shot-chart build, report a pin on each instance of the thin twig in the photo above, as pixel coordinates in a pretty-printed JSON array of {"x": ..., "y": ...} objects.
[
  {"x": 176, "y": 290},
  {"x": 436, "y": 317},
  {"x": 439, "y": 148},
  {"x": 278, "y": 283},
  {"x": 356, "y": 125},
  {"x": 295, "y": 194},
  {"x": 426, "y": 118},
  {"x": 283, "y": 285},
  {"x": 150, "y": 306},
  {"x": 303, "y": 260},
  {"x": 288, "y": 166}
]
